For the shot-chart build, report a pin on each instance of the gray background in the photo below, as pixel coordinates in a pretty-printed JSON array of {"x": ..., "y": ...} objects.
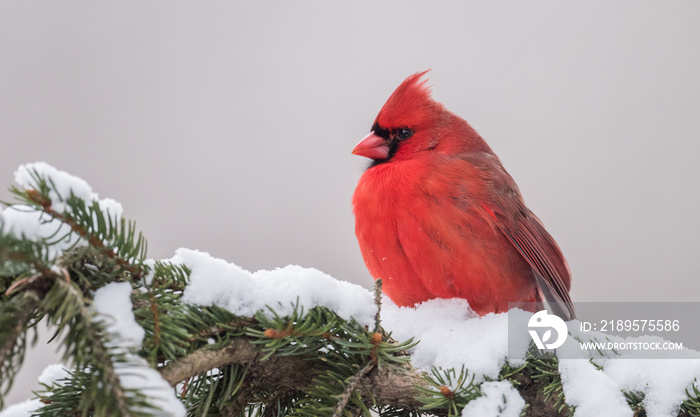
[{"x": 227, "y": 126}]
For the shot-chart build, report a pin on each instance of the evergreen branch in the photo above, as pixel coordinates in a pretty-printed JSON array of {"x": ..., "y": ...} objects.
[
  {"x": 15, "y": 316},
  {"x": 236, "y": 325},
  {"x": 218, "y": 392},
  {"x": 84, "y": 342},
  {"x": 116, "y": 238},
  {"x": 21, "y": 258},
  {"x": 236, "y": 407},
  {"x": 306, "y": 364},
  {"x": 296, "y": 334},
  {"x": 352, "y": 384},
  {"x": 287, "y": 371},
  {"x": 156, "y": 319},
  {"x": 538, "y": 381},
  {"x": 170, "y": 276},
  {"x": 85, "y": 232},
  {"x": 82, "y": 394},
  {"x": 544, "y": 370},
  {"x": 635, "y": 400},
  {"x": 175, "y": 329},
  {"x": 391, "y": 386},
  {"x": 449, "y": 390},
  {"x": 691, "y": 405}
]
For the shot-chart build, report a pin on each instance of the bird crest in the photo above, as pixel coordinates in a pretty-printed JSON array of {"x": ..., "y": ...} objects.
[{"x": 410, "y": 104}]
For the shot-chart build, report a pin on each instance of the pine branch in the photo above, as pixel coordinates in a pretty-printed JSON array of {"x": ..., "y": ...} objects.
[
  {"x": 15, "y": 316},
  {"x": 116, "y": 238},
  {"x": 85, "y": 343},
  {"x": 307, "y": 363},
  {"x": 391, "y": 386},
  {"x": 21, "y": 258},
  {"x": 352, "y": 384},
  {"x": 93, "y": 237},
  {"x": 286, "y": 371}
]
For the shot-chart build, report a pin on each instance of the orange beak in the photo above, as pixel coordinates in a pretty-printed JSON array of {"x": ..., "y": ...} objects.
[{"x": 372, "y": 146}]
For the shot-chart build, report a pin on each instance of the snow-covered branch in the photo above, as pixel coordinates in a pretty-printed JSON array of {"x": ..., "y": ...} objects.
[
  {"x": 196, "y": 335},
  {"x": 391, "y": 386}
]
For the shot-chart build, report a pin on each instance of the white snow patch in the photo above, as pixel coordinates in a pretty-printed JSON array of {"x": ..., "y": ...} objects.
[
  {"x": 158, "y": 392},
  {"x": 23, "y": 409},
  {"x": 24, "y": 222},
  {"x": 151, "y": 264},
  {"x": 113, "y": 305},
  {"x": 214, "y": 281},
  {"x": 662, "y": 380},
  {"x": 112, "y": 208},
  {"x": 50, "y": 375},
  {"x": 591, "y": 391},
  {"x": 586, "y": 387},
  {"x": 114, "y": 309},
  {"x": 451, "y": 335},
  {"x": 65, "y": 183},
  {"x": 53, "y": 373},
  {"x": 499, "y": 399},
  {"x": 30, "y": 223}
]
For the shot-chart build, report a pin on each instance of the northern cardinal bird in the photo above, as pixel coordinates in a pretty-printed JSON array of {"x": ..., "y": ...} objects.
[{"x": 437, "y": 215}]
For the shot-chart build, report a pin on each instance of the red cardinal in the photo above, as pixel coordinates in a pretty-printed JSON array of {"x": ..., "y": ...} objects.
[{"x": 437, "y": 215}]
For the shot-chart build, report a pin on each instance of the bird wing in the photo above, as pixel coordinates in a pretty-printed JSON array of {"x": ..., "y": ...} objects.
[
  {"x": 539, "y": 249},
  {"x": 505, "y": 209},
  {"x": 527, "y": 234}
]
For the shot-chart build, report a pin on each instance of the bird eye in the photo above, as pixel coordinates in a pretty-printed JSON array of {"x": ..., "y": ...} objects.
[{"x": 404, "y": 134}]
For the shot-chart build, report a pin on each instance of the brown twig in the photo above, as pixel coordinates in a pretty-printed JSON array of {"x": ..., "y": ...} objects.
[{"x": 378, "y": 303}]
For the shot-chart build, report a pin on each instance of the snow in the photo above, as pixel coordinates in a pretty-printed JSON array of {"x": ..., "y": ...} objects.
[
  {"x": 159, "y": 393},
  {"x": 53, "y": 373},
  {"x": 25, "y": 222},
  {"x": 151, "y": 264},
  {"x": 113, "y": 307},
  {"x": 499, "y": 399},
  {"x": 215, "y": 281},
  {"x": 451, "y": 335},
  {"x": 50, "y": 375},
  {"x": 23, "y": 409},
  {"x": 112, "y": 208},
  {"x": 64, "y": 183},
  {"x": 591, "y": 391},
  {"x": 662, "y": 380},
  {"x": 30, "y": 223}
]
